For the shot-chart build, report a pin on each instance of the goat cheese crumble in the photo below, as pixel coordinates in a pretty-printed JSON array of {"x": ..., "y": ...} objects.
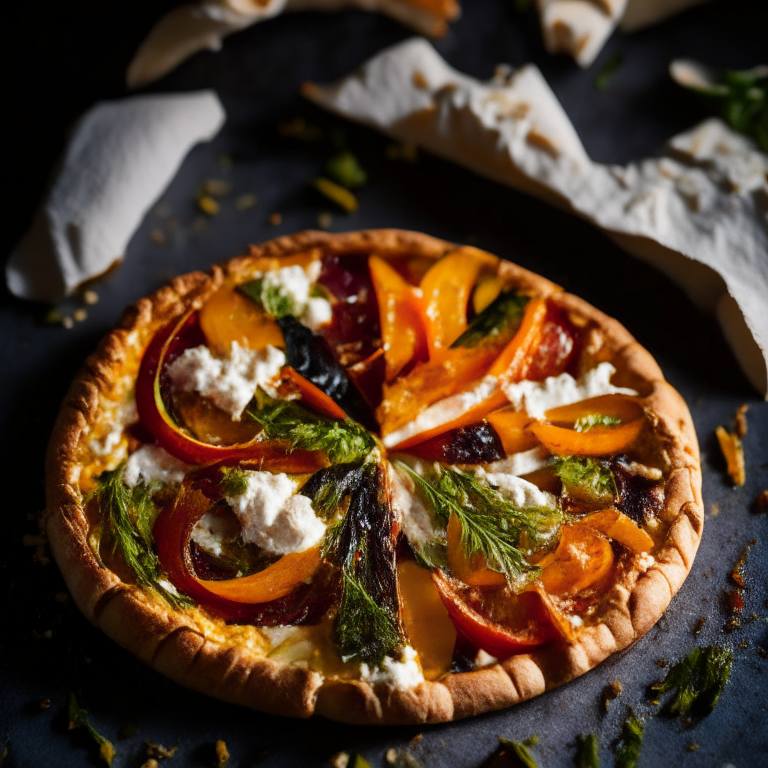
[
  {"x": 295, "y": 284},
  {"x": 150, "y": 464},
  {"x": 537, "y": 397},
  {"x": 229, "y": 382},
  {"x": 398, "y": 674},
  {"x": 520, "y": 492},
  {"x": 273, "y": 516}
]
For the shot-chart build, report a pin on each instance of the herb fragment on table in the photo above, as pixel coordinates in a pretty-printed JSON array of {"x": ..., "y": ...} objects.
[
  {"x": 345, "y": 169},
  {"x": 741, "y": 99},
  {"x": 518, "y": 750},
  {"x": 158, "y": 751},
  {"x": 628, "y": 749},
  {"x": 129, "y": 514},
  {"x": 585, "y": 423},
  {"x": 343, "y": 442},
  {"x": 740, "y": 420},
  {"x": 608, "y": 72},
  {"x": 697, "y": 682},
  {"x": 585, "y": 479},
  {"x": 78, "y": 718},
  {"x": 501, "y": 318},
  {"x": 699, "y": 625},
  {"x": 490, "y": 523},
  {"x": 586, "y": 754},
  {"x": 610, "y": 693},
  {"x": 336, "y": 193},
  {"x": 737, "y": 574},
  {"x": 222, "y": 754},
  {"x": 733, "y": 451},
  {"x": 360, "y": 762}
]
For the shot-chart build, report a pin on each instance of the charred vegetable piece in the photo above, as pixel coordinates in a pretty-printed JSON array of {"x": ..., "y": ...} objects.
[
  {"x": 473, "y": 444},
  {"x": 499, "y": 320},
  {"x": 310, "y": 355},
  {"x": 362, "y": 545},
  {"x": 698, "y": 680},
  {"x": 628, "y": 749},
  {"x": 637, "y": 497}
]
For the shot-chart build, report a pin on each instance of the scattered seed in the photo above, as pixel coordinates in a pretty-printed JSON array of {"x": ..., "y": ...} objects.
[
  {"x": 342, "y": 197},
  {"x": 207, "y": 205},
  {"x": 275, "y": 219},
  {"x": 157, "y": 236},
  {"x": 246, "y": 201},
  {"x": 714, "y": 510},
  {"x": 699, "y": 625},
  {"x": 340, "y": 760},
  {"x": 215, "y": 187},
  {"x": 45, "y": 704},
  {"x": 324, "y": 220},
  {"x": 90, "y": 296},
  {"x": 693, "y": 746},
  {"x": 68, "y": 322},
  {"x": 79, "y": 315},
  {"x": 391, "y": 756}
]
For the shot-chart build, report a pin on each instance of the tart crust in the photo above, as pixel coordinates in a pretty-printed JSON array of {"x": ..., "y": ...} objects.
[{"x": 228, "y": 662}]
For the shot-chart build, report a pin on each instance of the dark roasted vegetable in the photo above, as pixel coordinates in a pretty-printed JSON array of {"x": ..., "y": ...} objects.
[{"x": 473, "y": 444}]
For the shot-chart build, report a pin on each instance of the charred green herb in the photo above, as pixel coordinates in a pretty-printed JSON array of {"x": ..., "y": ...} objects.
[
  {"x": 585, "y": 423},
  {"x": 500, "y": 319},
  {"x": 697, "y": 680},
  {"x": 628, "y": 749},
  {"x": 345, "y": 168},
  {"x": 608, "y": 72},
  {"x": 490, "y": 524},
  {"x": 361, "y": 544},
  {"x": 129, "y": 514},
  {"x": 586, "y": 756},
  {"x": 342, "y": 441},
  {"x": 234, "y": 481},
  {"x": 78, "y": 718},
  {"x": 586, "y": 479}
]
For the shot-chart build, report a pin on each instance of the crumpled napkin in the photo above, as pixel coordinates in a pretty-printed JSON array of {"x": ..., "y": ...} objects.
[
  {"x": 699, "y": 212},
  {"x": 201, "y": 26},
  {"x": 120, "y": 158}
]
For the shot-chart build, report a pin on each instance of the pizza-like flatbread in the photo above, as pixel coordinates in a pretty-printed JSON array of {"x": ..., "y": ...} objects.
[{"x": 372, "y": 476}]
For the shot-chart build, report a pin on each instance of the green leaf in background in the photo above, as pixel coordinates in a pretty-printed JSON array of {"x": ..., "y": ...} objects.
[
  {"x": 628, "y": 748},
  {"x": 346, "y": 170},
  {"x": 587, "y": 756}
]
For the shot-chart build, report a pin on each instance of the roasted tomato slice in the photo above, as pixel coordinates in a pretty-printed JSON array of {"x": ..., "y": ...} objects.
[
  {"x": 557, "y": 347},
  {"x": 495, "y": 621}
]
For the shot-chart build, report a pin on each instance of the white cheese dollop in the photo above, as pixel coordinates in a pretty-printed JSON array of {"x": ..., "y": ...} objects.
[
  {"x": 273, "y": 516},
  {"x": 521, "y": 463},
  {"x": 400, "y": 675},
  {"x": 520, "y": 492},
  {"x": 231, "y": 381},
  {"x": 209, "y": 533},
  {"x": 152, "y": 463},
  {"x": 443, "y": 411},
  {"x": 537, "y": 397}
]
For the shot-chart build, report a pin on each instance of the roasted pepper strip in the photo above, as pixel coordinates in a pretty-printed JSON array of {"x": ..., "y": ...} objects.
[
  {"x": 513, "y": 362},
  {"x": 525, "y": 626},
  {"x": 598, "y": 441},
  {"x": 154, "y": 415},
  {"x": 510, "y": 425},
  {"x": 314, "y": 397},
  {"x": 243, "y": 600},
  {"x": 617, "y": 526},
  {"x": 623, "y": 407},
  {"x": 446, "y": 288},
  {"x": 403, "y": 333}
]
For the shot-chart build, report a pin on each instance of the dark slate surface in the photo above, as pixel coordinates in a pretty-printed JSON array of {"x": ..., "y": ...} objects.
[{"x": 60, "y": 58}]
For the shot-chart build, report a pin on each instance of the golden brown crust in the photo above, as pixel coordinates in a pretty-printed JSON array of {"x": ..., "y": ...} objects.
[{"x": 231, "y": 668}]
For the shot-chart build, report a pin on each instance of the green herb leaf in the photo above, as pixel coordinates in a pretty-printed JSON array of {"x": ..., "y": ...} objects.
[
  {"x": 609, "y": 70},
  {"x": 78, "y": 718},
  {"x": 490, "y": 523},
  {"x": 271, "y": 298},
  {"x": 628, "y": 749},
  {"x": 587, "y": 756},
  {"x": 129, "y": 514},
  {"x": 698, "y": 680},
  {"x": 234, "y": 481},
  {"x": 345, "y": 168},
  {"x": 342, "y": 441},
  {"x": 586, "y": 479},
  {"x": 585, "y": 423},
  {"x": 501, "y": 318},
  {"x": 520, "y": 750}
]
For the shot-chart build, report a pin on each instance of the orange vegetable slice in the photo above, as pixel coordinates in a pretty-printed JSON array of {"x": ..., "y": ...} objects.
[
  {"x": 402, "y": 324},
  {"x": 598, "y": 441},
  {"x": 229, "y": 316},
  {"x": 276, "y": 580},
  {"x": 472, "y": 570},
  {"x": 315, "y": 397},
  {"x": 583, "y": 559},
  {"x": 425, "y": 619},
  {"x": 446, "y": 289},
  {"x": 511, "y": 425},
  {"x": 617, "y": 526},
  {"x": 624, "y": 407},
  {"x": 514, "y": 360}
]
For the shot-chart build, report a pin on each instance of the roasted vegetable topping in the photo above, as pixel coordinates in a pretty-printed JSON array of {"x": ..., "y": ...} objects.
[
  {"x": 586, "y": 480},
  {"x": 473, "y": 444},
  {"x": 499, "y": 320}
]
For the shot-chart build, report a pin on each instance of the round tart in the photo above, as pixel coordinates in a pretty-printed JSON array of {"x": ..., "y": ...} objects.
[{"x": 373, "y": 476}]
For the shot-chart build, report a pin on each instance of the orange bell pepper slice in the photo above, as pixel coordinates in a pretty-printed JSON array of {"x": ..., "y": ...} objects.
[
  {"x": 446, "y": 290},
  {"x": 403, "y": 333},
  {"x": 583, "y": 558},
  {"x": 623, "y": 407},
  {"x": 617, "y": 526},
  {"x": 510, "y": 425},
  {"x": 425, "y": 619},
  {"x": 229, "y": 316},
  {"x": 276, "y": 580},
  {"x": 513, "y": 362},
  {"x": 598, "y": 441},
  {"x": 472, "y": 570}
]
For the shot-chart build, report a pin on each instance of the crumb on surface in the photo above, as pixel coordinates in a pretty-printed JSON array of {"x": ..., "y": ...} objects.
[
  {"x": 68, "y": 323},
  {"x": 157, "y": 236},
  {"x": 79, "y": 315},
  {"x": 222, "y": 754},
  {"x": 208, "y": 205},
  {"x": 90, "y": 296},
  {"x": 610, "y": 692},
  {"x": 340, "y": 760},
  {"x": 275, "y": 219},
  {"x": 324, "y": 220},
  {"x": 761, "y": 502},
  {"x": 699, "y": 625},
  {"x": 391, "y": 756},
  {"x": 246, "y": 201},
  {"x": 714, "y": 510}
]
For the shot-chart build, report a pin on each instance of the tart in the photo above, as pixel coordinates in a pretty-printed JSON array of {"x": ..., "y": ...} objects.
[{"x": 372, "y": 476}]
